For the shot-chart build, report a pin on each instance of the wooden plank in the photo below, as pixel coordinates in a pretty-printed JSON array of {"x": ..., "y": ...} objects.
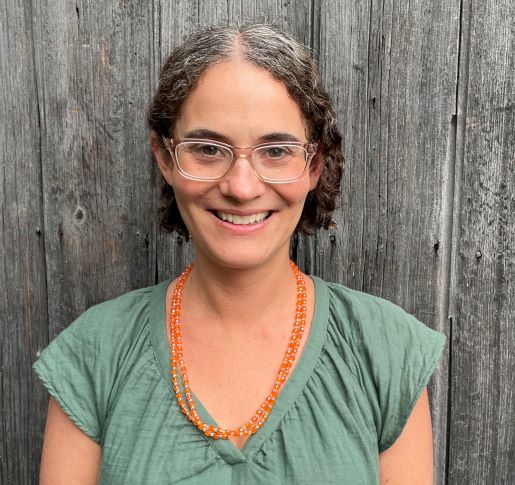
[
  {"x": 482, "y": 418},
  {"x": 391, "y": 68},
  {"x": 23, "y": 307},
  {"x": 93, "y": 65},
  {"x": 179, "y": 19}
]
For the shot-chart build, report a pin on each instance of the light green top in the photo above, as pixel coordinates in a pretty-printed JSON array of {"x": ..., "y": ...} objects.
[{"x": 357, "y": 380}]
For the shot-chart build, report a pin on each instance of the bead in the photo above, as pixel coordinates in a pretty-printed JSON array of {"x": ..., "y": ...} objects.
[{"x": 177, "y": 363}]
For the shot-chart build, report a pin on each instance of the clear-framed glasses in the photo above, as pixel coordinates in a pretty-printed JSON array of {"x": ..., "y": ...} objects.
[{"x": 208, "y": 160}]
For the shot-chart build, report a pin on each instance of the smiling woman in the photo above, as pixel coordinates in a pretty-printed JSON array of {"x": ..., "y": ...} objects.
[
  {"x": 242, "y": 369},
  {"x": 242, "y": 104}
]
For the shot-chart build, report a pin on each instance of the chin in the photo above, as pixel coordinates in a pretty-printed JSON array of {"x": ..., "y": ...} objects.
[
  {"x": 240, "y": 261},
  {"x": 241, "y": 257},
  {"x": 237, "y": 251}
]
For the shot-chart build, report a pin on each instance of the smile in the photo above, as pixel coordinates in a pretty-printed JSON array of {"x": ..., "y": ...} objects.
[{"x": 240, "y": 219}]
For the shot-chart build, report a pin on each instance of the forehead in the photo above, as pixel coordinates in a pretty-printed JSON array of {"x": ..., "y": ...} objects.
[{"x": 241, "y": 100}]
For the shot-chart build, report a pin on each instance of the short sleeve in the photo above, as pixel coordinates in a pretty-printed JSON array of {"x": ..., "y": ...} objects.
[
  {"x": 391, "y": 354},
  {"x": 403, "y": 355},
  {"x": 74, "y": 368}
]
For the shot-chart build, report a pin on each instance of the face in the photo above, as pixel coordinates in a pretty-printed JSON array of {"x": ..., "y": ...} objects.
[{"x": 242, "y": 104}]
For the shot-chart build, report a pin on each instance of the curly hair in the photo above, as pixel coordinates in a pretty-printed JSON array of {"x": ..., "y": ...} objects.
[{"x": 287, "y": 61}]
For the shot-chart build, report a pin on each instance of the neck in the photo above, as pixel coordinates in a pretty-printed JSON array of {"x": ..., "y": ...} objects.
[{"x": 241, "y": 301}]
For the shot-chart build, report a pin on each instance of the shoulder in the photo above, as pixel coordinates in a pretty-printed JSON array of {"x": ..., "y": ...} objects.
[
  {"x": 84, "y": 366},
  {"x": 390, "y": 353},
  {"x": 363, "y": 312},
  {"x": 377, "y": 328}
]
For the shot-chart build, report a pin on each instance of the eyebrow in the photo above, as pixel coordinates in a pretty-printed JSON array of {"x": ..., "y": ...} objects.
[{"x": 213, "y": 135}]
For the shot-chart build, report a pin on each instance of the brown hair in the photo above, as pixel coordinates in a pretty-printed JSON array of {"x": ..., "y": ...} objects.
[{"x": 287, "y": 61}]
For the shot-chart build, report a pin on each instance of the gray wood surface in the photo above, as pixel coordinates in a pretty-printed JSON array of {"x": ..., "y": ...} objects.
[
  {"x": 425, "y": 98},
  {"x": 482, "y": 376},
  {"x": 23, "y": 291}
]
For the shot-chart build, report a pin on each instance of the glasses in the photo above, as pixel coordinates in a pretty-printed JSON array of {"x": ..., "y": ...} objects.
[{"x": 207, "y": 160}]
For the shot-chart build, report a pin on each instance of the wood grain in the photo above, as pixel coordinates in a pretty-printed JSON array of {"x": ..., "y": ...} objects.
[
  {"x": 482, "y": 378},
  {"x": 23, "y": 295}
]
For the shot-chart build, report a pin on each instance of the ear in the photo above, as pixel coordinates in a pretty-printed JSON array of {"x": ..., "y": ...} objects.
[
  {"x": 161, "y": 156},
  {"x": 315, "y": 169}
]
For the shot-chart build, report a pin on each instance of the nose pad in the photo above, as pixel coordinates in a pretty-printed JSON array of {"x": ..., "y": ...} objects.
[
  {"x": 238, "y": 165},
  {"x": 242, "y": 182}
]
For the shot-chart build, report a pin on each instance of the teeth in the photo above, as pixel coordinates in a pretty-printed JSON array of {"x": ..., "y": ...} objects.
[{"x": 252, "y": 219}]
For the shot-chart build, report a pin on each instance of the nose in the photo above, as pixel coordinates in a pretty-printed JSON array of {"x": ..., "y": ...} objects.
[{"x": 242, "y": 183}]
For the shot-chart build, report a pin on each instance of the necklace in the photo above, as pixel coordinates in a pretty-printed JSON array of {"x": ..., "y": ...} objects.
[{"x": 177, "y": 364}]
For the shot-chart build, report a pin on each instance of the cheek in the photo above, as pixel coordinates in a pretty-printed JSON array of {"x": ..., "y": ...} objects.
[
  {"x": 295, "y": 193},
  {"x": 188, "y": 193}
]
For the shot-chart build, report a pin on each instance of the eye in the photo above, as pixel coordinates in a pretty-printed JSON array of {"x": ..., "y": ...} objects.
[
  {"x": 207, "y": 150},
  {"x": 276, "y": 152}
]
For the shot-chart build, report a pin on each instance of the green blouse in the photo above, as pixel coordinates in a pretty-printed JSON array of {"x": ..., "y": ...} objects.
[{"x": 364, "y": 365}]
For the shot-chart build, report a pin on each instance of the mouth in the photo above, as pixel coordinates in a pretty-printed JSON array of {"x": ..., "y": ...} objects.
[{"x": 242, "y": 220}]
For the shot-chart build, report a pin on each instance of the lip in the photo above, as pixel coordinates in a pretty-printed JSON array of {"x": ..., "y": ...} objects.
[
  {"x": 238, "y": 212},
  {"x": 242, "y": 229}
]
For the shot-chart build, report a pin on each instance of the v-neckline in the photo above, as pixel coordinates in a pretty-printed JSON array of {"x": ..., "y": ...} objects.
[{"x": 291, "y": 389}]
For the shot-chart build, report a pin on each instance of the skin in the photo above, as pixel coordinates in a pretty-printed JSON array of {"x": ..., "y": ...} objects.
[
  {"x": 410, "y": 459},
  {"x": 69, "y": 456},
  {"x": 237, "y": 278}
]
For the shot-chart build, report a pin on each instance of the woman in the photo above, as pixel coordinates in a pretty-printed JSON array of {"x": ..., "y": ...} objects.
[{"x": 241, "y": 370}]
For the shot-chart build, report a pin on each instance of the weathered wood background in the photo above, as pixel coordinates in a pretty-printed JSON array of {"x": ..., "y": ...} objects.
[{"x": 425, "y": 95}]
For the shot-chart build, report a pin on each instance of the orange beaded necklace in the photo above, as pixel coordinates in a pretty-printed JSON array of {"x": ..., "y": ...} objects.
[{"x": 177, "y": 361}]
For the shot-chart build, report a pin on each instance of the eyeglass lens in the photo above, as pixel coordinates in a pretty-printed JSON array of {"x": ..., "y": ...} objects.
[{"x": 207, "y": 160}]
